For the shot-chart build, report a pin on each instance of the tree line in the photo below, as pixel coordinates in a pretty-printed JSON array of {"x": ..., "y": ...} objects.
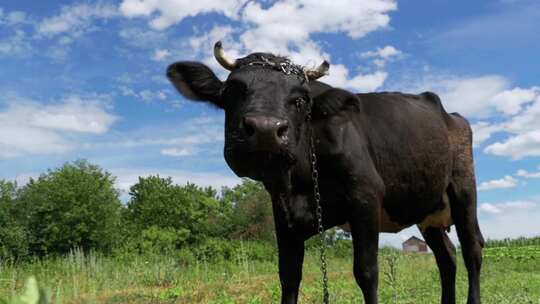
[{"x": 78, "y": 206}]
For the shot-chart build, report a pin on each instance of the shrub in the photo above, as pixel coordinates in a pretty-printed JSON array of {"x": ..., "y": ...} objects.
[
  {"x": 72, "y": 206},
  {"x": 13, "y": 235}
]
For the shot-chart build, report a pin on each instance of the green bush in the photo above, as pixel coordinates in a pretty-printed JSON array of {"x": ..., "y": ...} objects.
[
  {"x": 157, "y": 202},
  {"x": 72, "y": 206},
  {"x": 13, "y": 235}
]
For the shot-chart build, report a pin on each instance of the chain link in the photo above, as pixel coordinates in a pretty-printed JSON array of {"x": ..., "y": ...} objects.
[{"x": 318, "y": 209}]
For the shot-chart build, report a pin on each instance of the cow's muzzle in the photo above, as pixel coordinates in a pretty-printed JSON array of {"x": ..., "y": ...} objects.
[{"x": 266, "y": 134}]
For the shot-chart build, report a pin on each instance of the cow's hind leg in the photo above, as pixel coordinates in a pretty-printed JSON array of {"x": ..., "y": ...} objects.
[
  {"x": 445, "y": 255},
  {"x": 463, "y": 205}
]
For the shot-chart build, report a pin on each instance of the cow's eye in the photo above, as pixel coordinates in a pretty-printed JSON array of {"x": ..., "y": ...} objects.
[{"x": 235, "y": 88}]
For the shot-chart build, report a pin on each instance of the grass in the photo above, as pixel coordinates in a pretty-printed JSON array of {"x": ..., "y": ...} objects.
[{"x": 507, "y": 277}]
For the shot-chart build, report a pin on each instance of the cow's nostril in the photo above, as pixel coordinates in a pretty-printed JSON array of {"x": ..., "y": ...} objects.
[
  {"x": 248, "y": 127},
  {"x": 282, "y": 131}
]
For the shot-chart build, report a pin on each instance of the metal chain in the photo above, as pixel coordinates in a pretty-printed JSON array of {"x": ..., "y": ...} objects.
[{"x": 318, "y": 209}]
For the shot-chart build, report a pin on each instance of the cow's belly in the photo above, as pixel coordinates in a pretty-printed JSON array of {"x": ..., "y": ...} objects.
[{"x": 439, "y": 219}]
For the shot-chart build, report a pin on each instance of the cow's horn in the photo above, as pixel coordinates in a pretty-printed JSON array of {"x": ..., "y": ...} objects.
[
  {"x": 221, "y": 57},
  {"x": 319, "y": 72}
]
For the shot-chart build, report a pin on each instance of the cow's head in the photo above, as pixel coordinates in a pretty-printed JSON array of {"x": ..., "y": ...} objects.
[{"x": 266, "y": 99}]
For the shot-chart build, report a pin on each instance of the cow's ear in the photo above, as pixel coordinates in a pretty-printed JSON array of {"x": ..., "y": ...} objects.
[{"x": 196, "y": 81}]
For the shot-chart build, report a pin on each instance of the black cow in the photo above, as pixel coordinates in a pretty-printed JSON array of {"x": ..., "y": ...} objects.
[{"x": 386, "y": 161}]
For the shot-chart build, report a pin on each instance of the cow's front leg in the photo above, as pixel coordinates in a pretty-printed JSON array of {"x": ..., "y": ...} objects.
[
  {"x": 291, "y": 258},
  {"x": 364, "y": 222}
]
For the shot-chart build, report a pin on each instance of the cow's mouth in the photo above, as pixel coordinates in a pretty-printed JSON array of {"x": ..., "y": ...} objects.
[{"x": 260, "y": 165}]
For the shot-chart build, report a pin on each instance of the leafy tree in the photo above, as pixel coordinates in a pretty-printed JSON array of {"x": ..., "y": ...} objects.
[
  {"x": 72, "y": 206},
  {"x": 250, "y": 211},
  {"x": 13, "y": 235},
  {"x": 161, "y": 206}
]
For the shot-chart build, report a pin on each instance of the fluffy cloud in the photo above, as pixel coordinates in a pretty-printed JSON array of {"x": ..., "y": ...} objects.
[
  {"x": 518, "y": 146},
  {"x": 479, "y": 96},
  {"x": 496, "y": 106},
  {"x": 170, "y": 12},
  {"x": 482, "y": 131},
  {"x": 29, "y": 127},
  {"x": 469, "y": 96},
  {"x": 510, "y": 101},
  {"x": 283, "y": 27},
  {"x": 524, "y": 130},
  {"x": 383, "y": 55},
  {"x": 77, "y": 19},
  {"x": 292, "y": 21},
  {"x": 503, "y": 183},
  {"x": 339, "y": 77}
]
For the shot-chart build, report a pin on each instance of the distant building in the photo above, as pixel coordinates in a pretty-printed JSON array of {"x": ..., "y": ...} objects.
[{"x": 414, "y": 244}]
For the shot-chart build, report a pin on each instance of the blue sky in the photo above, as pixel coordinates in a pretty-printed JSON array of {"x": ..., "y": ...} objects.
[{"x": 81, "y": 79}]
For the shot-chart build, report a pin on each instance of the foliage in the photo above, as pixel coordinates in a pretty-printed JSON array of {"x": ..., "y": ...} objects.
[
  {"x": 521, "y": 241},
  {"x": 75, "y": 205},
  {"x": 519, "y": 253},
  {"x": 13, "y": 235},
  {"x": 250, "y": 211},
  {"x": 160, "y": 210}
]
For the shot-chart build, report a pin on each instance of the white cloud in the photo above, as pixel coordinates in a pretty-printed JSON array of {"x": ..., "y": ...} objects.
[
  {"x": 517, "y": 147},
  {"x": 503, "y": 183},
  {"x": 527, "y": 174},
  {"x": 29, "y": 127},
  {"x": 339, "y": 77},
  {"x": 469, "y": 96},
  {"x": 510, "y": 101},
  {"x": 489, "y": 208},
  {"x": 194, "y": 134},
  {"x": 170, "y": 12},
  {"x": 13, "y": 18},
  {"x": 17, "y": 45},
  {"x": 383, "y": 55},
  {"x": 177, "y": 152},
  {"x": 524, "y": 130},
  {"x": 526, "y": 121},
  {"x": 160, "y": 55},
  {"x": 292, "y": 21},
  {"x": 144, "y": 95},
  {"x": 284, "y": 28},
  {"x": 507, "y": 206},
  {"x": 496, "y": 105},
  {"x": 482, "y": 131},
  {"x": 76, "y": 19},
  {"x": 477, "y": 96}
]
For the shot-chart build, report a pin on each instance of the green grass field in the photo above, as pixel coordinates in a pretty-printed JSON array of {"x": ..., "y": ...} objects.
[{"x": 509, "y": 275}]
